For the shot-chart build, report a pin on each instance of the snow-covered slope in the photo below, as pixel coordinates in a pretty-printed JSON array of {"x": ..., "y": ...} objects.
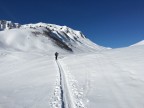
[
  {"x": 139, "y": 43},
  {"x": 111, "y": 79},
  {"x": 46, "y": 37},
  {"x": 106, "y": 79}
]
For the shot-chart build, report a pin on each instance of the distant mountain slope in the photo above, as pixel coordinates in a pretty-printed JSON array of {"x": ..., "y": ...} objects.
[
  {"x": 44, "y": 37},
  {"x": 139, "y": 43}
]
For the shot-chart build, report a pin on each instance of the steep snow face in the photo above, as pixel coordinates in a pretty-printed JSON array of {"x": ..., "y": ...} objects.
[
  {"x": 46, "y": 37},
  {"x": 5, "y": 25},
  {"x": 139, "y": 43},
  {"x": 70, "y": 32}
]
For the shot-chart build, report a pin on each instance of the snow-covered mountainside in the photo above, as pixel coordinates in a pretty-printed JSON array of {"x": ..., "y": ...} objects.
[
  {"x": 139, "y": 43},
  {"x": 44, "y": 37}
]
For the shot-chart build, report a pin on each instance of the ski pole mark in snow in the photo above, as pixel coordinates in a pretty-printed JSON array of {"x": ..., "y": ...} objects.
[
  {"x": 77, "y": 94},
  {"x": 66, "y": 94},
  {"x": 56, "y": 101},
  {"x": 73, "y": 97}
]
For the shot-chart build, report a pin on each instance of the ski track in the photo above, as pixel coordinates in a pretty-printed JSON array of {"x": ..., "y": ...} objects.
[
  {"x": 73, "y": 84},
  {"x": 66, "y": 93},
  {"x": 56, "y": 100}
]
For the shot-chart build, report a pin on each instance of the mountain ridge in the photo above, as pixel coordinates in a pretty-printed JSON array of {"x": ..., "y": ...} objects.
[
  {"x": 6, "y": 25},
  {"x": 44, "y": 37}
]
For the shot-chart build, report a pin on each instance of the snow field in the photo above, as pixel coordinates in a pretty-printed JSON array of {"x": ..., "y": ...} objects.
[
  {"x": 26, "y": 80},
  {"x": 110, "y": 79}
]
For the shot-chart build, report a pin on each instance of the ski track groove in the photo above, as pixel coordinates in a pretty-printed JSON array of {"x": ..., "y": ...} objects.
[{"x": 66, "y": 94}]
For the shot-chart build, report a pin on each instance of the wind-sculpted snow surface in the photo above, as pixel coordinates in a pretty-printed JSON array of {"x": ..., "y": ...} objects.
[{"x": 111, "y": 79}]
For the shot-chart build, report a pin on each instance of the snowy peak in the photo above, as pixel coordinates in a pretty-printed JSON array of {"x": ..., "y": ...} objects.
[
  {"x": 44, "y": 37},
  {"x": 139, "y": 43},
  {"x": 57, "y": 28},
  {"x": 5, "y": 25}
]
